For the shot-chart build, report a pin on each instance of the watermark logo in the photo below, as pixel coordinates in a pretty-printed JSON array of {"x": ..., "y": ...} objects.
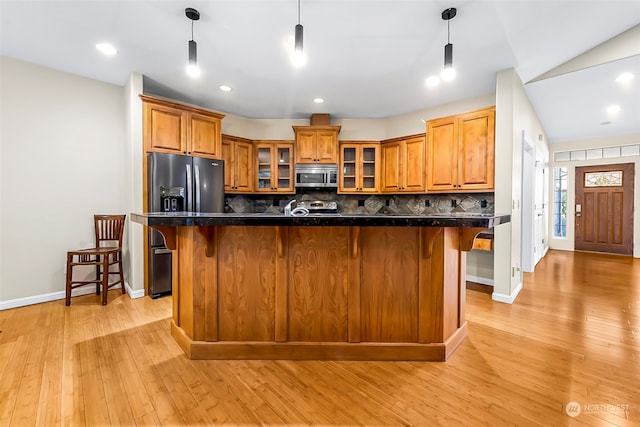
[{"x": 573, "y": 409}]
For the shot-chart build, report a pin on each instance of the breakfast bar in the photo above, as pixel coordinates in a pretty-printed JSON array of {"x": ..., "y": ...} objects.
[{"x": 341, "y": 287}]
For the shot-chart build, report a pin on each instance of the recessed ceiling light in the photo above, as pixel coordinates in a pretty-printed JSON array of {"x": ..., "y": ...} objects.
[
  {"x": 318, "y": 100},
  {"x": 625, "y": 78},
  {"x": 613, "y": 109},
  {"x": 225, "y": 88},
  {"x": 433, "y": 81},
  {"x": 106, "y": 48}
]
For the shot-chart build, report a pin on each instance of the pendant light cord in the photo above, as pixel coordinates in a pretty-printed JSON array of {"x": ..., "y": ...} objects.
[
  {"x": 448, "y": 31},
  {"x": 298, "y": 12},
  {"x": 192, "y": 29}
]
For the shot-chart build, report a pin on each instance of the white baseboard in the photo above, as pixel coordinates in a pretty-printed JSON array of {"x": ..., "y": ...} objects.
[
  {"x": 509, "y": 299},
  {"x": 481, "y": 280},
  {"x": 133, "y": 293},
  {"x": 53, "y": 296}
]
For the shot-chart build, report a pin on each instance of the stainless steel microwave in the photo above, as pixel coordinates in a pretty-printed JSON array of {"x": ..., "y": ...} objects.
[{"x": 317, "y": 175}]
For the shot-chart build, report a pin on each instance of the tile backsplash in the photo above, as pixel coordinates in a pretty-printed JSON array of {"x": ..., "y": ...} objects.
[{"x": 416, "y": 204}]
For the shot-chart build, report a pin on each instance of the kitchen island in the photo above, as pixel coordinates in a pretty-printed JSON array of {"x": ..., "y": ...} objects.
[{"x": 334, "y": 287}]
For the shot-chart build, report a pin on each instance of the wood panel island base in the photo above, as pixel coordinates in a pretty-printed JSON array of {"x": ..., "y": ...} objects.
[{"x": 324, "y": 288}]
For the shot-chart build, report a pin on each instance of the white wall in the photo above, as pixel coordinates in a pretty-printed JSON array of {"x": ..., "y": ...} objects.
[
  {"x": 480, "y": 267},
  {"x": 133, "y": 248},
  {"x": 62, "y": 160},
  {"x": 412, "y": 123},
  {"x": 354, "y": 129},
  {"x": 514, "y": 113},
  {"x": 621, "y": 140}
]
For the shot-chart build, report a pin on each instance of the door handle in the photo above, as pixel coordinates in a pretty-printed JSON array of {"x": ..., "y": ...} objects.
[
  {"x": 196, "y": 170},
  {"x": 189, "y": 206}
]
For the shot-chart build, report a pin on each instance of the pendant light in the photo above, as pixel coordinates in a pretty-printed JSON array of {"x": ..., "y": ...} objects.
[
  {"x": 298, "y": 58},
  {"x": 192, "y": 66},
  {"x": 448, "y": 72}
]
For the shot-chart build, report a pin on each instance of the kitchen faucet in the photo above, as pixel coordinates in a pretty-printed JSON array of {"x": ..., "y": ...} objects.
[{"x": 287, "y": 209}]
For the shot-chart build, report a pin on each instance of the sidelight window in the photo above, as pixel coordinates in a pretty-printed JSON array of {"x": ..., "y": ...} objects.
[{"x": 560, "y": 202}]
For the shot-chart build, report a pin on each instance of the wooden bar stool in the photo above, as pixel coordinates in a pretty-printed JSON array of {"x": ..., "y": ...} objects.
[{"x": 107, "y": 252}]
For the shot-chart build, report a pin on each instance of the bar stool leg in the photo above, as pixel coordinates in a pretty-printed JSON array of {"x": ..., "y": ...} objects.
[
  {"x": 67, "y": 301},
  {"x": 97, "y": 276},
  {"x": 105, "y": 278},
  {"x": 121, "y": 274}
]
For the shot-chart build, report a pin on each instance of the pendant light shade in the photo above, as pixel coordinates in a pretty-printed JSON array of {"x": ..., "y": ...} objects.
[
  {"x": 448, "y": 72},
  {"x": 193, "y": 53},
  {"x": 192, "y": 65},
  {"x": 448, "y": 55},
  {"x": 299, "y": 38},
  {"x": 298, "y": 57}
]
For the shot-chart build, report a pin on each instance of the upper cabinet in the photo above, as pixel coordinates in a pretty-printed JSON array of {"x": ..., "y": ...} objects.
[
  {"x": 359, "y": 167},
  {"x": 176, "y": 128},
  {"x": 274, "y": 167},
  {"x": 403, "y": 165},
  {"x": 461, "y": 152},
  {"x": 316, "y": 144},
  {"x": 237, "y": 154}
]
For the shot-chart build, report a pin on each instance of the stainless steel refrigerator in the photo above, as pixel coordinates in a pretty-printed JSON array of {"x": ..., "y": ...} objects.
[{"x": 178, "y": 183}]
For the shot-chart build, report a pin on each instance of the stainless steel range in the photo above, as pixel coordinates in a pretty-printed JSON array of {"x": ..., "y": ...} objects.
[{"x": 319, "y": 207}]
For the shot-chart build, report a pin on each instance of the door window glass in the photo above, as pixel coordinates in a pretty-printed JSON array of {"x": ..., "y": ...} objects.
[{"x": 603, "y": 179}]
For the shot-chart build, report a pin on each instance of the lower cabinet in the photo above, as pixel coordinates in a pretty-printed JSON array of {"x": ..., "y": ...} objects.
[{"x": 320, "y": 293}]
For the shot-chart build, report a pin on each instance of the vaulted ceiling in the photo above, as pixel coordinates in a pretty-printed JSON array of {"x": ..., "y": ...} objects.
[{"x": 366, "y": 58}]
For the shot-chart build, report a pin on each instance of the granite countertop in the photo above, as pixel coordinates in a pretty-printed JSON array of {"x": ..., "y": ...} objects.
[{"x": 267, "y": 219}]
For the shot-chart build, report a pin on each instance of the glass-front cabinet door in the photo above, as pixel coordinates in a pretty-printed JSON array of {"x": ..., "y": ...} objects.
[
  {"x": 274, "y": 167},
  {"x": 359, "y": 162}
]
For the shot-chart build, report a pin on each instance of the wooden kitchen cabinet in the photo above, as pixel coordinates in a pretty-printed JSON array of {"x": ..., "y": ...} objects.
[
  {"x": 316, "y": 144},
  {"x": 171, "y": 127},
  {"x": 274, "y": 169},
  {"x": 359, "y": 167},
  {"x": 461, "y": 152},
  {"x": 403, "y": 164},
  {"x": 237, "y": 154}
]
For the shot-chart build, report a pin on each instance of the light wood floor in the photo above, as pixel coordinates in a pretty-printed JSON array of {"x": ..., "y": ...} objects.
[{"x": 571, "y": 336}]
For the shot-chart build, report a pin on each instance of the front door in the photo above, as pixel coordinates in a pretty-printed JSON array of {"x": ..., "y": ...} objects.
[{"x": 604, "y": 208}]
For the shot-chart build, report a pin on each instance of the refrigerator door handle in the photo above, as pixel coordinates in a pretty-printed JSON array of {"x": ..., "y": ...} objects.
[
  {"x": 189, "y": 206},
  {"x": 196, "y": 171}
]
